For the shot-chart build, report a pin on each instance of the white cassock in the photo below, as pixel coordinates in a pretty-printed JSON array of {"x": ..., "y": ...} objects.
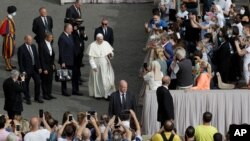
[{"x": 101, "y": 83}]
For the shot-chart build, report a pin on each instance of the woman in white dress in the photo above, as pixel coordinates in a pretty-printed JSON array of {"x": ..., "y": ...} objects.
[
  {"x": 246, "y": 53},
  {"x": 153, "y": 79},
  {"x": 101, "y": 78}
]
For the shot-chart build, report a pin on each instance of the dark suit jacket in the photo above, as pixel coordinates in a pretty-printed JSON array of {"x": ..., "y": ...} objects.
[
  {"x": 25, "y": 60},
  {"x": 12, "y": 92},
  {"x": 115, "y": 104},
  {"x": 66, "y": 50},
  {"x": 39, "y": 28},
  {"x": 165, "y": 104},
  {"x": 46, "y": 60},
  {"x": 109, "y": 37},
  {"x": 71, "y": 13}
]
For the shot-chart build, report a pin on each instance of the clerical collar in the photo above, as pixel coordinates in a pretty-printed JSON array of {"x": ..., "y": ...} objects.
[{"x": 10, "y": 16}]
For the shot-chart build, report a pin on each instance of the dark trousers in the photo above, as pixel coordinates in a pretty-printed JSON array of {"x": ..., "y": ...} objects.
[
  {"x": 74, "y": 81},
  {"x": 36, "y": 77},
  {"x": 11, "y": 114},
  {"x": 47, "y": 80}
]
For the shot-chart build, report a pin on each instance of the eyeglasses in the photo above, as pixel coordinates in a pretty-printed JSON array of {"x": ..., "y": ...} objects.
[{"x": 104, "y": 23}]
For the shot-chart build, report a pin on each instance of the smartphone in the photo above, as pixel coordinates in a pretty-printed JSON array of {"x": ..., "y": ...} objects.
[
  {"x": 126, "y": 111},
  {"x": 41, "y": 113},
  {"x": 145, "y": 66},
  {"x": 117, "y": 126},
  {"x": 91, "y": 112},
  {"x": 17, "y": 128},
  {"x": 116, "y": 120},
  {"x": 88, "y": 116},
  {"x": 70, "y": 117}
]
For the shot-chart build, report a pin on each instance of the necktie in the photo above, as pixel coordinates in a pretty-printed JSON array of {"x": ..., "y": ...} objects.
[
  {"x": 78, "y": 10},
  {"x": 105, "y": 31},
  {"x": 31, "y": 54},
  {"x": 46, "y": 24},
  {"x": 123, "y": 102}
]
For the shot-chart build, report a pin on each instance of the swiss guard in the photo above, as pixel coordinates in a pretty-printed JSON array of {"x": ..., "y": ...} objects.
[{"x": 7, "y": 30}]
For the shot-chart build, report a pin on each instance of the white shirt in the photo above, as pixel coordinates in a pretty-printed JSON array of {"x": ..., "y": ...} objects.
[
  {"x": 121, "y": 96},
  {"x": 105, "y": 31},
  {"x": 39, "y": 135},
  {"x": 44, "y": 19},
  {"x": 153, "y": 84},
  {"x": 182, "y": 14},
  {"x": 66, "y": 34},
  {"x": 49, "y": 47}
]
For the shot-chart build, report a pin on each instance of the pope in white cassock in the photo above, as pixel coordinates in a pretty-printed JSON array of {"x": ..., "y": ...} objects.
[{"x": 101, "y": 78}]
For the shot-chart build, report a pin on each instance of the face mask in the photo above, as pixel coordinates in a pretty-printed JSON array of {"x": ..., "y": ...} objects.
[
  {"x": 13, "y": 14},
  {"x": 206, "y": 18},
  {"x": 242, "y": 11},
  {"x": 220, "y": 39}
]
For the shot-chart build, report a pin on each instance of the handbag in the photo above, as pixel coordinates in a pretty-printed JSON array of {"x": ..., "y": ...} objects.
[{"x": 63, "y": 75}]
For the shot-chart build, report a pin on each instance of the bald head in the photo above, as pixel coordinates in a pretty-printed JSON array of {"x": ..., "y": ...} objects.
[
  {"x": 28, "y": 39},
  {"x": 166, "y": 80},
  {"x": 34, "y": 123},
  {"x": 86, "y": 134},
  {"x": 123, "y": 86}
]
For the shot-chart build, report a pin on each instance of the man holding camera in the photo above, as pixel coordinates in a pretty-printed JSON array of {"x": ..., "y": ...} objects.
[
  {"x": 13, "y": 87},
  {"x": 74, "y": 17}
]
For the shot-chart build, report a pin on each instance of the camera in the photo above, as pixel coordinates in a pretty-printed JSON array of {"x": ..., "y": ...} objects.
[
  {"x": 21, "y": 75},
  {"x": 76, "y": 23},
  {"x": 41, "y": 113}
]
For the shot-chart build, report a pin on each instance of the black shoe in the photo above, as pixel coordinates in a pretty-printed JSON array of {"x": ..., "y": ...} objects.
[
  {"x": 39, "y": 101},
  {"x": 46, "y": 98},
  {"x": 52, "y": 97},
  {"x": 77, "y": 93},
  {"x": 28, "y": 102},
  {"x": 66, "y": 94}
]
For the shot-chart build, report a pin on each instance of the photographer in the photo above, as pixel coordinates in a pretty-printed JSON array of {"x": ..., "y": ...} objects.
[
  {"x": 79, "y": 37},
  {"x": 12, "y": 91}
]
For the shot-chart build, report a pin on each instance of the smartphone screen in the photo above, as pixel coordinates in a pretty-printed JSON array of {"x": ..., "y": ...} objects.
[
  {"x": 70, "y": 117},
  {"x": 88, "y": 117},
  {"x": 41, "y": 113},
  {"x": 17, "y": 127}
]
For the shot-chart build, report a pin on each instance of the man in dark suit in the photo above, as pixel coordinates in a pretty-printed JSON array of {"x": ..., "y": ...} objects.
[
  {"x": 165, "y": 102},
  {"x": 67, "y": 53},
  {"x": 106, "y": 31},
  {"x": 47, "y": 57},
  {"x": 79, "y": 39},
  {"x": 13, "y": 88},
  {"x": 74, "y": 12},
  {"x": 29, "y": 64},
  {"x": 121, "y": 100},
  {"x": 42, "y": 25}
]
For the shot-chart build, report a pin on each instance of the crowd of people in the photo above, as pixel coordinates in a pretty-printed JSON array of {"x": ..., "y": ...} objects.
[
  {"x": 187, "y": 50},
  {"x": 197, "y": 47}
]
